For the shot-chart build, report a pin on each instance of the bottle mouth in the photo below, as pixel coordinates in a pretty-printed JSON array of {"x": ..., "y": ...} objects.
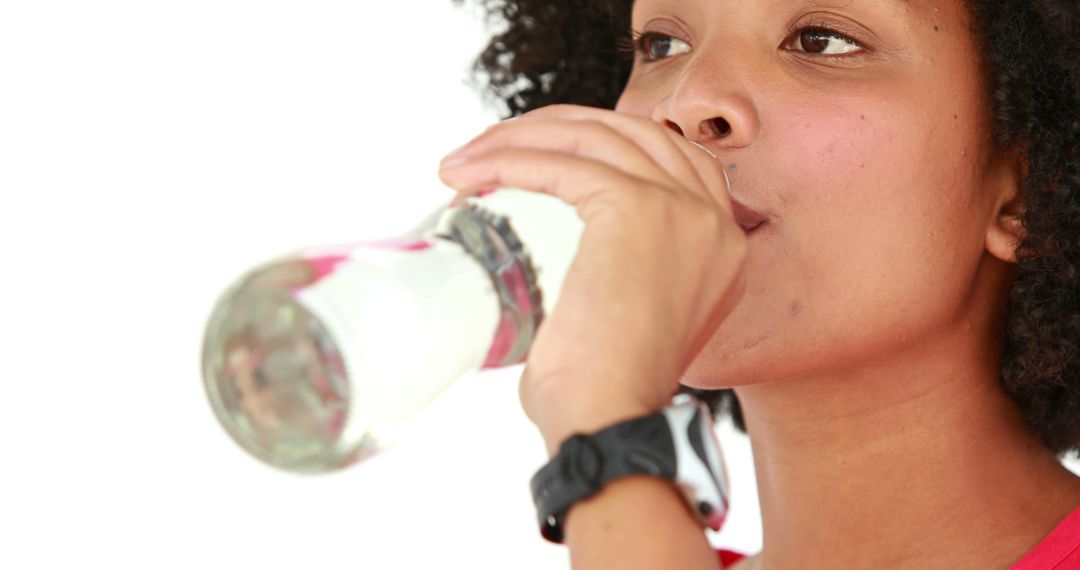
[{"x": 274, "y": 375}]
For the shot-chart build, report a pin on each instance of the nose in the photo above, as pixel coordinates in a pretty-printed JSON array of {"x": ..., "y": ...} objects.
[{"x": 709, "y": 107}]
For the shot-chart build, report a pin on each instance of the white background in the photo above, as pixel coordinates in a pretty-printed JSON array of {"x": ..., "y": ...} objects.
[{"x": 150, "y": 152}]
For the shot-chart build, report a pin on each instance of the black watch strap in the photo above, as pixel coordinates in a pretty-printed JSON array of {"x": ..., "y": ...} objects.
[{"x": 586, "y": 462}]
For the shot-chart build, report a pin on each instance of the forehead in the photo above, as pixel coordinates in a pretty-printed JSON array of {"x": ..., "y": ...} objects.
[
  {"x": 927, "y": 14},
  {"x": 896, "y": 5}
]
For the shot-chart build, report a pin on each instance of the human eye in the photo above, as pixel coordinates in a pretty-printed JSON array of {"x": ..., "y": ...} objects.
[
  {"x": 821, "y": 41},
  {"x": 649, "y": 47}
]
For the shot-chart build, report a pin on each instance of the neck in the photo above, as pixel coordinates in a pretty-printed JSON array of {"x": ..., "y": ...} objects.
[{"x": 918, "y": 460}]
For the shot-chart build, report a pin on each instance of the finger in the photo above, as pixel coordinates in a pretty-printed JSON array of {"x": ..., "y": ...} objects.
[
  {"x": 663, "y": 144},
  {"x": 589, "y": 139},
  {"x": 571, "y": 178}
]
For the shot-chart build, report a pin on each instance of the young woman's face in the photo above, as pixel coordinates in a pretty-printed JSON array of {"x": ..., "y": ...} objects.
[{"x": 859, "y": 128}]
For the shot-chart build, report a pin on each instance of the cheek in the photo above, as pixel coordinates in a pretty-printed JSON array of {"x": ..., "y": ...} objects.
[
  {"x": 633, "y": 103},
  {"x": 846, "y": 190},
  {"x": 880, "y": 185},
  {"x": 875, "y": 239},
  {"x": 843, "y": 160}
]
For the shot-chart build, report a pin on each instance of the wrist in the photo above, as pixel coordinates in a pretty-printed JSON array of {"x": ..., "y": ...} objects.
[
  {"x": 676, "y": 443},
  {"x": 562, "y": 404},
  {"x": 589, "y": 419}
]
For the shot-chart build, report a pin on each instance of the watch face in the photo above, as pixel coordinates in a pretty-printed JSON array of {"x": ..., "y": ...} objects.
[
  {"x": 700, "y": 465},
  {"x": 714, "y": 457}
]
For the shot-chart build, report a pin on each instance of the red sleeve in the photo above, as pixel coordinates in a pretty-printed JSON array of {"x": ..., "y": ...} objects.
[
  {"x": 728, "y": 557},
  {"x": 1060, "y": 550}
]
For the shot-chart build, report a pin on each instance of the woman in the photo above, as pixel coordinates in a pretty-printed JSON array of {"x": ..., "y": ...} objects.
[{"x": 887, "y": 295}]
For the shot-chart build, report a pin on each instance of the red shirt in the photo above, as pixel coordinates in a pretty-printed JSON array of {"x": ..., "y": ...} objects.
[
  {"x": 1060, "y": 550},
  {"x": 729, "y": 557}
]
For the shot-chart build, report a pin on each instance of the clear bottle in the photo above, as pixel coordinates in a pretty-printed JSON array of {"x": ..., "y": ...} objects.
[{"x": 311, "y": 362}]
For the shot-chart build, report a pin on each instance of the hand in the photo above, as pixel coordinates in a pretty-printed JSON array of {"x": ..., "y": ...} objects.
[{"x": 658, "y": 268}]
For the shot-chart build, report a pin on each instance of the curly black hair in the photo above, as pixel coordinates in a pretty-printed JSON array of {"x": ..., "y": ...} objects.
[{"x": 573, "y": 52}]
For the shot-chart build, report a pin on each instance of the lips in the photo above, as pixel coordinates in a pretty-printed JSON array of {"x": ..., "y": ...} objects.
[{"x": 747, "y": 218}]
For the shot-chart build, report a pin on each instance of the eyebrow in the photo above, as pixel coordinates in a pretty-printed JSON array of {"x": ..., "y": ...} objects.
[{"x": 902, "y": 4}]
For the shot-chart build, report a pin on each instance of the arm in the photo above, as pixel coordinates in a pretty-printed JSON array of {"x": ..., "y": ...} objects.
[{"x": 636, "y": 522}]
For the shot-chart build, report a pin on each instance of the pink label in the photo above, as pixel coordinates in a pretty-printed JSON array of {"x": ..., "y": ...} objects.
[
  {"x": 324, "y": 265},
  {"x": 324, "y": 260},
  {"x": 402, "y": 244}
]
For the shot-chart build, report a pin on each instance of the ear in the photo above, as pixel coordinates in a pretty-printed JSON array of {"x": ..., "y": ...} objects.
[{"x": 1005, "y": 230}]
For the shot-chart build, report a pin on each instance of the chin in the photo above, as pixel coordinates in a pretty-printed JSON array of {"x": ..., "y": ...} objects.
[{"x": 715, "y": 369}]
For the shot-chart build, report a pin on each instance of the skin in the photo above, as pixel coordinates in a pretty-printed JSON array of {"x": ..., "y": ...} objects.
[
  {"x": 857, "y": 337},
  {"x": 860, "y": 325}
]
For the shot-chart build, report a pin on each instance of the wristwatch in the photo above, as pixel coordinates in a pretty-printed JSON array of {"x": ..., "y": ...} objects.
[{"x": 677, "y": 443}]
